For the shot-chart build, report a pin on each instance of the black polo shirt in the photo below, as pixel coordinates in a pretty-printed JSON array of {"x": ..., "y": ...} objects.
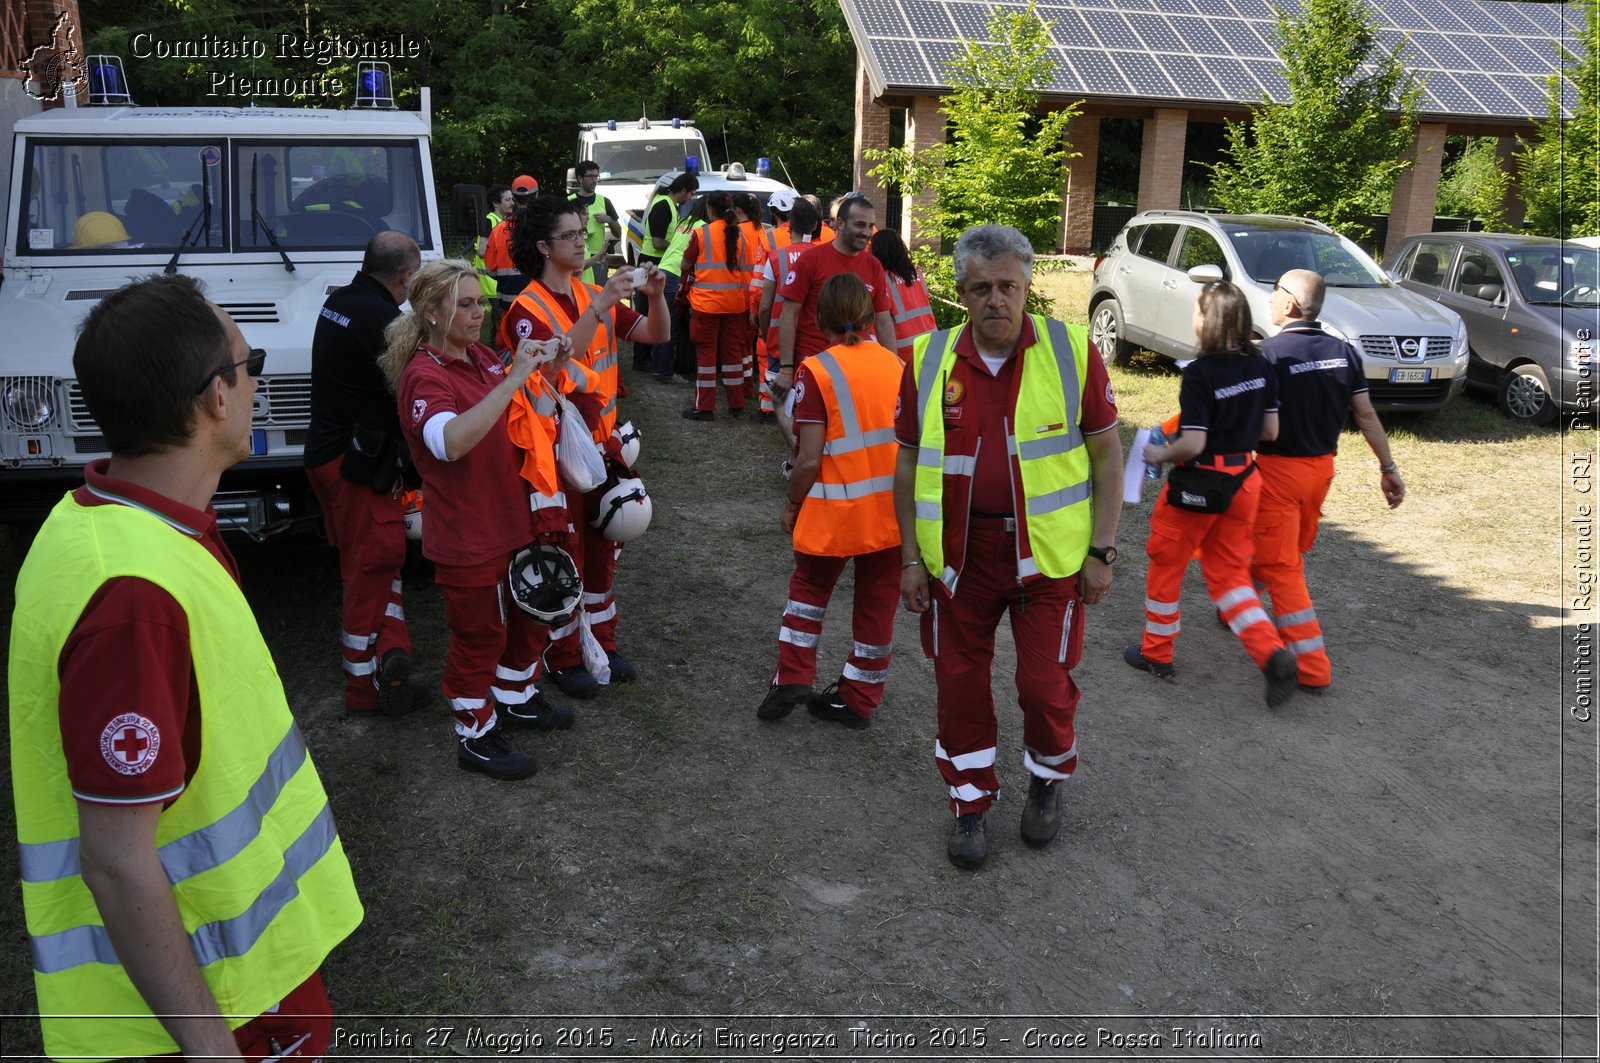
[
  {"x": 347, "y": 387},
  {"x": 1317, "y": 375},
  {"x": 1226, "y": 397}
]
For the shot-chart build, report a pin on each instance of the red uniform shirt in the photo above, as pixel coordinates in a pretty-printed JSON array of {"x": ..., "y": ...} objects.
[
  {"x": 985, "y": 407},
  {"x": 478, "y": 507},
  {"x": 804, "y": 284},
  {"x": 129, "y": 705}
]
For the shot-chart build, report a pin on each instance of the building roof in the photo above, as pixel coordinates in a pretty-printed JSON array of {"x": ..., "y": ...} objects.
[{"x": 1480, "y": 58}]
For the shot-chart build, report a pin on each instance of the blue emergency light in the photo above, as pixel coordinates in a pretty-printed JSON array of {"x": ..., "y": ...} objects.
[
  {"x": 763, "y": 167},
  {"x": 107, "y": 84},
  {"x": 611, "y": 124},
  {"x": 373, "y": 86},
  {"x": 691, "y": 165},
  {"x": 677, "y": 123}
]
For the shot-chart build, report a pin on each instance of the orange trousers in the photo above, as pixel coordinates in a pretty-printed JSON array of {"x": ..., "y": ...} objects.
[
  {"x": 1224, "y": 541},
  {"x": 1292, "y": 492}
]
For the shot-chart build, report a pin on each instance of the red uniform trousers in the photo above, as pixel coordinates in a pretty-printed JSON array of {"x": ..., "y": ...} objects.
[
  {"x": 1224, "y": 542},
  {"x": 958, "y": 634},
  {"x": 368, "y": 530},
  {"x": 877, "y": 595},
  {"x": 495, "y": 647},
  {"x": 719, "y": 341},
  {"x": 1292, "y": 492},
  {"x": 300, "y": 1026},
  {"x": 596, "y": 558}
]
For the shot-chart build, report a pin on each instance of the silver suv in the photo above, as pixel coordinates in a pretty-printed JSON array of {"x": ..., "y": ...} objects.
[{"x": 1145, "y": 286}]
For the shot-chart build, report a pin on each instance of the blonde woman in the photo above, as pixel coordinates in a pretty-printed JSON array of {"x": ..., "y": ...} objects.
[{"x": 453, "y": 396}]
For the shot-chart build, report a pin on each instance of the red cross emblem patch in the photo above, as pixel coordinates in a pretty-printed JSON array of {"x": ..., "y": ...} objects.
[{"x": 130, "y": 743}]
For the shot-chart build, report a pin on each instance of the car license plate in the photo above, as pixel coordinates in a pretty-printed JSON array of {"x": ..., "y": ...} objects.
[
  {"x": 258, "y": 441},
  {"x": 1410, "y": 376}
]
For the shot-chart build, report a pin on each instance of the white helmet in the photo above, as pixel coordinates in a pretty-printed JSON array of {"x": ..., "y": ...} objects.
[
  {"x": 625, "y": 509},
  {"x": 545, "y": 583},
  {"x": 413, "y": 522},
  {"x": 627, "y": 437}
]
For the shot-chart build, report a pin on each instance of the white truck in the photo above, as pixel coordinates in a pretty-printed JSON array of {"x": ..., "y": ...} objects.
[
  {"x": 635, "y": 157},
  {"x": 271, "y": 208}
]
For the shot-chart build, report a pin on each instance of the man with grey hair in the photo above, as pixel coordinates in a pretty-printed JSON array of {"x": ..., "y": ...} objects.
[
  {"x": 1320, "y": 383},
  {"x": 354, "y": 457},
  {"x": 1007, "y": 490}
]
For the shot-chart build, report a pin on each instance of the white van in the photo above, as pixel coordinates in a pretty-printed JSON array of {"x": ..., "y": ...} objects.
[{"x": 271, "y": 208}]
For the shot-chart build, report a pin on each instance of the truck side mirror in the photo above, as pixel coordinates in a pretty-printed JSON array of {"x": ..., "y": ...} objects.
[{"x": 468, "y": 203}]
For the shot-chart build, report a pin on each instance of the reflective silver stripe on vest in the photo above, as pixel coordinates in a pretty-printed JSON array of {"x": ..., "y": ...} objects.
[
  {"x": 858, "y": 489},
  {"x": 900, "y": 311},
  {"x": 543, "y": 404},
  {"x": 927, "y": 510},
  {"x": 210, "y": 942},
  {"x": 853, "y": 438},
  {"x": 610, "y": 407},
  {"x": 1067, "y": 365},
  {"x": 960, "y": 464},
  {"x": 1070, "y": 495},
  {"x": 199, "y": 850},
  {"x": 1038, "y": 448},
  {"x": 719, "y": 286},
  {"x": 551, "y": 318},
  {"x": 602, "y": 364}
]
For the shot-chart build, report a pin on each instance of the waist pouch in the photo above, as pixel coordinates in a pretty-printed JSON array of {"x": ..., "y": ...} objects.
[
  {"x": 372, "y": 458},
  {"x": 1201, "y": 490}
]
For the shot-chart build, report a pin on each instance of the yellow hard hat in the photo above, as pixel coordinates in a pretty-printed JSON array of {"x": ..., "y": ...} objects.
[{"x": 97, "y": 229}]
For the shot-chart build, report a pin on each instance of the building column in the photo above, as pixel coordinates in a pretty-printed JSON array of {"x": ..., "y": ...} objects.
[
  {"x": 1416, "y": 192},
  {"x": 1161, "y": 159},
  {"x": 924, "y": 129},
  {"x": 1513, "y": 209},
  {"x": 872, "y": 133},
  {"x": 1077, "y": 198}
]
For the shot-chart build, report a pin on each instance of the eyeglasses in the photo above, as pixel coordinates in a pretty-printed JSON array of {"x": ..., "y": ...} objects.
[
  {"x": 253, "y": 365},
  {"x": 575, "y": 236}
]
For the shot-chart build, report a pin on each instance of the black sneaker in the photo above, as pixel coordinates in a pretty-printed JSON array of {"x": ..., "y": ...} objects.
[
  {"x": 829, "y": 705},
  {"x": 1281, "y": 678},
  {"x": 1041, "y": 812},
  {"x": 1159, "y": 669},
  {"x": 396, "y": 697},
  {"x": 692, "y": 414},
  {"x": 493, "y": 755},
  {"x": 576, "y": 682},
  {"x": 622, "y": 669},
  {"x": 536, "y": 714},
  {"x": 968, "y": 843},
  {"x": 780, "y": 701}
]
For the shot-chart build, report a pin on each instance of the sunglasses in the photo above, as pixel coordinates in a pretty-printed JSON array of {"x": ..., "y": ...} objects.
[{"x": 252, "y": 365}]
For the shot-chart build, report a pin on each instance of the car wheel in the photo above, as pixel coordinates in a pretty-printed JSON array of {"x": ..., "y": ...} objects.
[
  {"x": 1524, "y": 395},
  {"x": 1105, "y": 329}
]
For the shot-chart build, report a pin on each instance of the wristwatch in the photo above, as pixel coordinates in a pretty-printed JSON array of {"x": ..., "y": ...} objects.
[{"x": 1108, "y": 554}]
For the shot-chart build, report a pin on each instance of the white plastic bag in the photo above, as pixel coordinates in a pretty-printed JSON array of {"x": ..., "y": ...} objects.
[
  {"x": 594, "y": 657},
  {"x": 583, "y": 467}
]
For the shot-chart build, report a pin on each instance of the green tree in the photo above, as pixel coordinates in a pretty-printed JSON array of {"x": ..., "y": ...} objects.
[
  {"x": 1560, "y": 172},
  {"x": 1004, "y": 162},
  {"x": 1333, "y": 151},
  {"x": 1474, "y": 185}
]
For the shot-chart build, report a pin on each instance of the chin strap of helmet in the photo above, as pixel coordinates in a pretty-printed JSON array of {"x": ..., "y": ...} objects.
[{"x": 636, "y": 494}]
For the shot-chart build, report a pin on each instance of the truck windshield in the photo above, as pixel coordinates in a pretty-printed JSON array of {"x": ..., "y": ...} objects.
[
  {"x": 322, "y": 196},
  {"x": 646, "y": 160},
  {"x": 107, "y": 197}
]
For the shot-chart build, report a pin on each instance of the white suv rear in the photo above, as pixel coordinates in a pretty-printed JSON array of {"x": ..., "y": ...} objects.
[{"x": 1414, "y": 351}]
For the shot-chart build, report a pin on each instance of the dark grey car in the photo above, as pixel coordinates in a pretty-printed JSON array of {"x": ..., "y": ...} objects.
[{"x": 1532, "y": 308}]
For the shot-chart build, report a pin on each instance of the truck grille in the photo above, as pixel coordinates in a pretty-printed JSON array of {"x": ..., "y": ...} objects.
[
  {"x": 252, "y": 313},
  {"x": 281, "y": 402},
  {"x": 1394, "y": 347}
]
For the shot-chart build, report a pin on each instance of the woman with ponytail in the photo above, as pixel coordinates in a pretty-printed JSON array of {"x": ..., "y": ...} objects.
[
  {"x": 913, "y": 312},
  {"x": 718, "y": 267}
]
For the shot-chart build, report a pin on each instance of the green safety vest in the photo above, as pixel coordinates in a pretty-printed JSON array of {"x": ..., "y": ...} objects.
[
  {"x": 647, "y": 246},
  {"x": 1044, "y": 436},
  {"x": 594, "y": 235},
  {"x": 486, "y": 284},
  {"x": 258, "y": 873},
  {"x": 678, "y": 239}
]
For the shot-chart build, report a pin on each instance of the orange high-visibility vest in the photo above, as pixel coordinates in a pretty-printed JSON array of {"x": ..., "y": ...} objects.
[
  {"x": 721, "y": 287},
  {"x": 850, "y": 508},
  {"x": 600, "y": 358},
  {"x": 913, "y": 316},
  {"x": 497, "y": 255}
]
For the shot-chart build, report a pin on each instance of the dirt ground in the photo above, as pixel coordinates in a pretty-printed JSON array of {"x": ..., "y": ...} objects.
[{"x": 1403, "y": 868}]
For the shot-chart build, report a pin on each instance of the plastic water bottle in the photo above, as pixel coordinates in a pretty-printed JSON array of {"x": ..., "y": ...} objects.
[{"x": 1157, "y": 438}]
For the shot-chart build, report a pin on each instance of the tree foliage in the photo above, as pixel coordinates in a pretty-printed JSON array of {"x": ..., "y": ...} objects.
[
  {"x": 1334, "y": 150},
  {"x": 1474, "y": 185},
  {"x": 511, "y": 79},
  {"x": 1004, "y": 162},
  {"x": 1560, "y": 172}
]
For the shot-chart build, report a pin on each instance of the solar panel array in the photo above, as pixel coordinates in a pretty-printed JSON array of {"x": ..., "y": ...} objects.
[{"x": 1480, "y": 58}]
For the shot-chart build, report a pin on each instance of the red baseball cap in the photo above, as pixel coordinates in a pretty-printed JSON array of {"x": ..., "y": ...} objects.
[{"x": 525, "y": 186}]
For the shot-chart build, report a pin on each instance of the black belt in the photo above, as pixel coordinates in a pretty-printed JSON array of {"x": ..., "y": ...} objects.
[
  {"x": 993, "y": 521},
  {"x": 1222, "y": 461}
]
